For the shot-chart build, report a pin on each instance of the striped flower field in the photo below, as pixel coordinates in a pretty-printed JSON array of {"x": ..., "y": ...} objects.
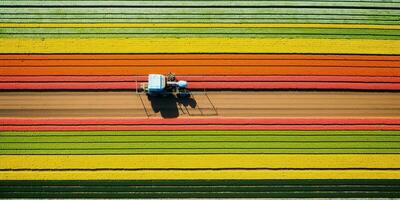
[{"x": 290, "y": 99}]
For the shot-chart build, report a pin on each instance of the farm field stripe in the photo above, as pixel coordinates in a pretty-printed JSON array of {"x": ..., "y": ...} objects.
[
  {"x": 202, "y": 174},
  {"x": 195, "y": 79},
  {"x": 204, "y": 85},
  {"x": 193, "y": 25},
  {"x": 198, "y": 45},
  {"x": 374, "y": 19},
  {"x": 199, "y": 138},
  {"x": 59, "y": 145},
  {"x": 297, "y": 85},
  {"x": 201, "y": 183},
  {"x": 200, "y": 32},
  {"x": 206, "y": 35},
  {"x": 98, "y": 3},
  {"x": 205, "y": 121},
  {"x": 196, "y": 127},
  {"x": 201, "y": 188},
  {"x": 227, "y": 104},
  {"x": 283, "y": 161},
  {"x": 161, "y": 146},
  {"x": 200, "y": 63},
  {"x": 201, "y": 133},
  {"x": 185, "y": 56},
  {"x": 218, "y": 151},
  {"x": 205, "y": 71},
  {"x": 197, "y": 11}
]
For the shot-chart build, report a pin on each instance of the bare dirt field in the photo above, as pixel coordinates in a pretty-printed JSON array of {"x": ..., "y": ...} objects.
[{"x": 223, "y": 104}]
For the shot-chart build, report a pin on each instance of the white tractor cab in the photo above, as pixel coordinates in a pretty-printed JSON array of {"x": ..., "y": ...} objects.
[{"x": 160, "y": 85}]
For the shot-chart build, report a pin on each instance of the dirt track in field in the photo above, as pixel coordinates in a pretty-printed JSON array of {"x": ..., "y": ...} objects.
[{"x": 223, "y": 104}]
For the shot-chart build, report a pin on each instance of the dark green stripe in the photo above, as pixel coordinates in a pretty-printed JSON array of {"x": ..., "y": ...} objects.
[
  {"x": 200, "y": 188},
  {"x": 137, "y": 195},
  {"x": 288, "y": 188}
]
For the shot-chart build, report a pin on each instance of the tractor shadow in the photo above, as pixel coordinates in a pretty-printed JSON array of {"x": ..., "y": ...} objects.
[{"x": 167, "y": 106}]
